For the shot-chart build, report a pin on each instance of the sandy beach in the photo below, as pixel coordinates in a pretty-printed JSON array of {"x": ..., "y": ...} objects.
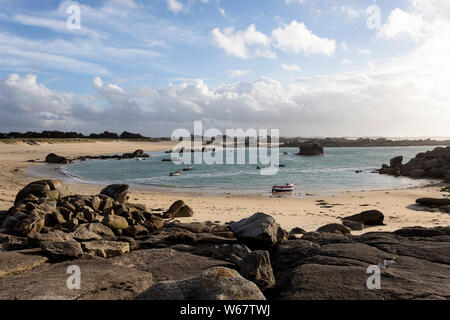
[{"x": 307, "y": 213}]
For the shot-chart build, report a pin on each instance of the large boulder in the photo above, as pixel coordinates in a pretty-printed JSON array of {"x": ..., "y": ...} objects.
[
  {"x": 118, "y": 192},
  {"x": 115, "y": 222},
  {"x": 92, "y": 231},
  {"x": 259, "y": 231},
  {"x": 434, "y": 202},
  {"x": 397, "y": 162},
  {"x": 257, "y": 268},
  {"x": 311, "y": 149},
  {"x": 55, "y": 159},
  {"x": 50, "y": 189},
  {"x": 417, "y": 173},
  {"x": 178, "y": 209},
  {"x": 105, "y": 249},
  {"x": 334, "y": 228},
  {"x": 62, "y": 250},
  {"x": 217, "y": 283},
  {"x": 368, "y": 218}
]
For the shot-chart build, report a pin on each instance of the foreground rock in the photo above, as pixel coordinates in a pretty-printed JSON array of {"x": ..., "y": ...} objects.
[
  {"x": 365, "y": 218},
  {"x": 259, "y": 231},
  {"x": 178, "y": 209},
  {"x": 311, "y": 149},
  {"x": 214, "y": 284},
  {"x": 256, "y": 267},
  {"x": 433, "y": 164},
  {"x": 61, "y": 250},
  {"x": 434, "y": 202},
  {"x": 20, "y": 261},
  {"x": 414, "y": 264}
]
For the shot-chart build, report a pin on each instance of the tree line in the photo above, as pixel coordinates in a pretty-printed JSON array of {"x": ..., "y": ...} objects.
[{"x": 71, "y": 135}]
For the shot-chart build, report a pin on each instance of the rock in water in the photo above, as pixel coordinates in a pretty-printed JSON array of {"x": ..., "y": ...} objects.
[
  {"x": 259, "y": 231},
  {"x": 62, "y": 250},
  {"x": 397, "y": 162},
  {"x": 256, "y": 267},
  {"x": 311, "y": 149},
  {"x": 334, "y": 228},
  {"x": 118, "y": 192},
  {"x": 368, "y": 218},
  {"x": 217, "y": 283}
]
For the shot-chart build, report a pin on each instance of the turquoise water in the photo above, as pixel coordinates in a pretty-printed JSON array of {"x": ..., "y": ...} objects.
[{"x": 332, "y": 172}]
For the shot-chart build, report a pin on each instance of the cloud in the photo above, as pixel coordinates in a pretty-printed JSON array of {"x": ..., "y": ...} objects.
[
  {"x": 175, "y": 6},
  {"x": 296, "y": 38},
  {"x": 238, "y": 43},
  {"x": 222, "y": 12},
  {"x": 291, "y": 67},
  {"x": 232, "y": 74},
  {"x": 351, "y": 12},
  {"x": 403, "y": 24}
]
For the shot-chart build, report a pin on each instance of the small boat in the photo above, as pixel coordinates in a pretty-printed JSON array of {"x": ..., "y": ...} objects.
[
  {"x": 288, "y": 187},
  {"x": 187, "y": 169},
  {"x": 282, "y": 166},
  {"x": 175, "y": 173}
]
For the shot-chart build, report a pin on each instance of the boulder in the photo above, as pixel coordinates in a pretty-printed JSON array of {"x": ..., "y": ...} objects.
[
  {"x": 217, "y": 283},
  {"x": 53, "y": 158},
  {"x": 43, "y": 189},
  {"x": 311, "y": 149},
  {"x": 61, "y": 250},
  {"x": 178, "y": 209},
  {"x": 434, "y": 202},
  {"x": 447, "y": 176},
  {"x": 417, "y": 173},
  {"x": 368, "y": 218},
  {"x": 259, "y": 231},
  {"x": 115, "y": 222},
  {"x": 354, "y": 225},
  {"x": 256, "y": 267},
  {"x": 105, "y": 249},
  {"x": 118, "y": 192},
  {"x": 92, "y": 231},
  {"x": 334, "y": 228},
  {"x": 397, "y": 162}
]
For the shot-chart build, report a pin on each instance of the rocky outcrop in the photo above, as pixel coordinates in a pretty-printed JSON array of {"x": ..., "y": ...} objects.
[
  {"x": 433, "y": 164},
  {"x": 179, "y": 209},
  {"x": 311, "y": 149},
  {"x": 55, "y": 159},
  {"x": 319, "y": 266},
  {"x": 334, "y": 228},
  {"x": 366, "y": 218},
  {"x": 118, "y": 192},
  {"x": 259, "y": 231},
  {"x": 213, "y": 284}
]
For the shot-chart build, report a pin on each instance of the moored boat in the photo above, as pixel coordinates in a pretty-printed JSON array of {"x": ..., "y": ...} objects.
[
  {"x": 175, "y": 173},
  {"x": 288, "y": 187}
]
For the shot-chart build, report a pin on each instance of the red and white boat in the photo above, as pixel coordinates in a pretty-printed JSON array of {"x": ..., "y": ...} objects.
[{"x": 288, "y": 187}]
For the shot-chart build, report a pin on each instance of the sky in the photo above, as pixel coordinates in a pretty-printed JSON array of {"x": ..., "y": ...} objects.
[{"x": 305, "y": 67}]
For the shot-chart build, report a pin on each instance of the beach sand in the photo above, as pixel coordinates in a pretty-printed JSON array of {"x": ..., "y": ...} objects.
[{"x": 398, "y": 206}]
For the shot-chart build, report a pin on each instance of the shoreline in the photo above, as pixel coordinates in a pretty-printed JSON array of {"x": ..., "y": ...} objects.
[{"x": 398, "y": 205}]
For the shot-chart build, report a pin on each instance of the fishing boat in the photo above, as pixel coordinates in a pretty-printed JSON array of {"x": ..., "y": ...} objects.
[
  {"x": 187, "y": 169},
  {"x": 175, "y": 173},
  {"x": 288, "y": 187}
]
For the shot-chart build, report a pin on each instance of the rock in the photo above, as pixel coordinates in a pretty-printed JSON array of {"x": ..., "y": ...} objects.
[
  {"x": 368, "y": 218},
  {"x": 330, "y": 269},
  {"x": 53, "y": 158},
  {"x": 115, "y": 222},
  {"x": 334, "y": 228},
  {"x": 434, "y": 202},
  {"x": 417, "y": 173},
  {"x": 397, "y": 162},
  {"x": 61, "y": 250},
  {"x": 43, "y": 189},
  {"x": 137, "y": 230},
  {"x": 51, "y": 236},
  {"x": 259, "y": 231},
  {"x": 447, "y": 176},
  {"x": 256, "y": 267},
  {"x": 183, "y": 265},
  {"x": 353, "y": 225},
  {"x": 297, "y": 231},
  {"x": 100, "y": 280},
  {"x": 105, "y": 249},
  {"x": 214, "y": 284},
  {"x": 178, "y": 209},
  {"x": 311, "y": 149},
  {"x": 20, "y": 261},
  {"x": 92, "y": 231},
  {"x": 118, "y": 192}
]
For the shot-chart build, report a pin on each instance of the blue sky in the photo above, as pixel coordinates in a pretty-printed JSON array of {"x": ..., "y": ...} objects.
[{"x": 307, "y": 67}]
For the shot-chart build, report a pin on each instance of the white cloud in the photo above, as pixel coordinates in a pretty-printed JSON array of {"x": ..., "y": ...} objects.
[
  {"x": 346, "y": 62},
  {"x": 295, "y": 1},
  {"x": 291, "y": 67},
  {"x": 401, "y": 23},
  {"x": 175, "y": 6},
  {"x": 344, "y": 46},
  {"x": 297, "y": 38},
  {"x": 237, "y": 43},
  {"x": 351, "y": 12},
  {"x": 364, "y": 52},
  {"x": 232, "y": 74},
  {"x": 222, "y": 12}
]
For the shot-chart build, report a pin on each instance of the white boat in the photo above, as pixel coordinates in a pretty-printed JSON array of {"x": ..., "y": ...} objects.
[
  {"x": 288, "y": 187},
  {"x": 175, "y": 173}
]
